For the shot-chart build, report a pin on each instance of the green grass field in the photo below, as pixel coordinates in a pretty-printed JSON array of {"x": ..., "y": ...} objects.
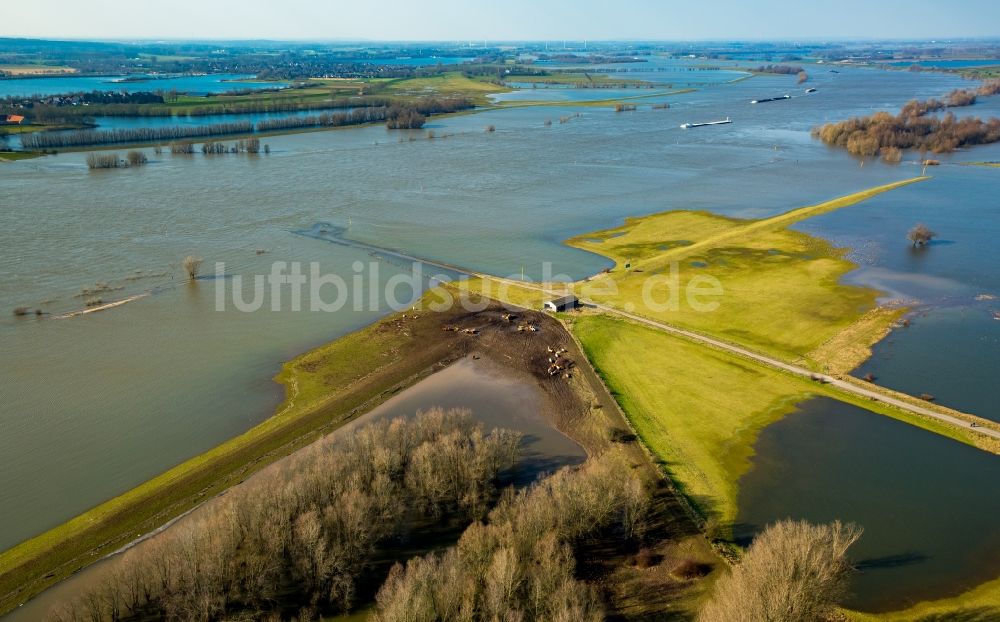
[
  {"x": 990, "y": 72},
  {"x": 578, "y": 79},
  {"x": 698, "y": 410},
  {"x": 781, "y": 288},
  {"x": 13, "y": 156},
  {"x": 450, "y": 84}
]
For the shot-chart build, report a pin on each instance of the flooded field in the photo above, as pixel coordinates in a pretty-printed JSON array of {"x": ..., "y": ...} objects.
[{"x": 97, "y": 404}]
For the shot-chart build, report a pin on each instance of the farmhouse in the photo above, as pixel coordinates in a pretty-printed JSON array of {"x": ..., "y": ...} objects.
[
  {"x": 13, "y": 119},
  {"x": 561, "y": 304}
]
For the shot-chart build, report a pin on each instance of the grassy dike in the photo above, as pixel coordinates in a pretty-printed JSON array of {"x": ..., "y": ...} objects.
[
  {"x": 700, "y": 410},
  {"x": 980, "y": 604},
  {"x": 325, "y": 388},
  {"x": 782, "y": 290}
]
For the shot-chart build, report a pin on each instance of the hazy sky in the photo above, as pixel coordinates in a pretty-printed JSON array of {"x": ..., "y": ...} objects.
[{"x": 501, "y": 19}]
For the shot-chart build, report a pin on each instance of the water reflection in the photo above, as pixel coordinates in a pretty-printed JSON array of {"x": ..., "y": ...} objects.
[{"x": 927, "y": 503}]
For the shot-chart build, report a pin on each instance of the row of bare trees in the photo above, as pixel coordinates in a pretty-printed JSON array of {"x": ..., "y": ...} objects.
[
  {"x": 58, "y": 140},
  {"x": 519, "y": 565},
  {"x": 249, "y": 145},
  {"x": 111, "y": 160},
  {"x": 297, "y": 539},
  {"x": 357, "y": 116}
]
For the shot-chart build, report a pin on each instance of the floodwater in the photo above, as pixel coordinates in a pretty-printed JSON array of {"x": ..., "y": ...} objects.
[
  {"x": 113, "y": 123},
  {"x": 498, "y": 401},
  {"x": 952, "y": 347},
  {"x": 193, "y": 85},
  {"x": 96, "y": 404},
  {"x": 494, "y": 398},
  {"x": 928, "y": 505}
]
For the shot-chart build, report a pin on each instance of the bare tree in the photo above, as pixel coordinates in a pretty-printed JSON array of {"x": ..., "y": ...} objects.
[
  {"x": 303, "y": 535},
  {"x": 136, "y": 158},
  {"x": 920, "y": 235},
  {"x": 793, "y": 572},
  {"x": 192, "y": 265},
  {"x": 520, "y": 564}
]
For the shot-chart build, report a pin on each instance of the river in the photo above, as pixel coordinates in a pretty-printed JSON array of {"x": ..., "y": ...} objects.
[{"x": 96, "y": 404}]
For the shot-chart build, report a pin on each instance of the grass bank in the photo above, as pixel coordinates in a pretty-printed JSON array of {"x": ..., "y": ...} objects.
[
  {"x": 698, "y": 410},
  {"x": 981, "y": 604},
  {"x": 13, "y": 156}
]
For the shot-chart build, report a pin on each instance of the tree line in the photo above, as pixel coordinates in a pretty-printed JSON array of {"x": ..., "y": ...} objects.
[
  {"x": 357, "y": 116},
  {"x": 409, "y": 115},
  {"x": 42, "y": 112},
  {"x": 297, "y": 540},
  {"x": 58, "y": 140}
]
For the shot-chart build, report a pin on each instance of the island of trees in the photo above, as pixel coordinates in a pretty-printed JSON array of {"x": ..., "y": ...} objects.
[
  {"x": 789, "y": 70},
  {"x": 915, "y": 127}
]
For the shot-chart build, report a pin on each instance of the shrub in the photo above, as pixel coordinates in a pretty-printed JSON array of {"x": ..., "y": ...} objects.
[
  {"x": 103, "y": 160},
  {"x": 959, "y": 98},
  {"x": 793, "y": 571},
  {"x": 136, "y": 158},
  {"x": 920, "y": 235},
  {"x": 891, "y": 154},
  {"x": 191, "y": 266}
]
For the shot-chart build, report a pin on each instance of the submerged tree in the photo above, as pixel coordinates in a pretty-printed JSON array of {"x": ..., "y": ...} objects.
[
  {"x": 793, "y": 571},
  {"x": 191, "y": 265},
  {"x": 920, "y": 235}
]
